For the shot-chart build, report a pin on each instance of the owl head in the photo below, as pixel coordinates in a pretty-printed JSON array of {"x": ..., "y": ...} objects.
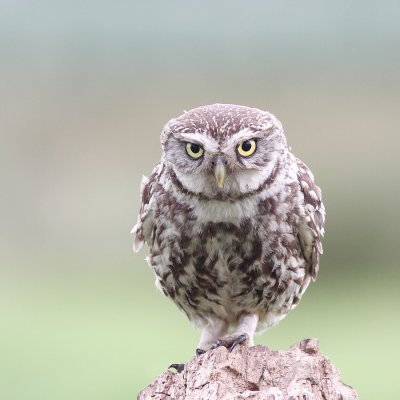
[{"x": 223, "y": 151}]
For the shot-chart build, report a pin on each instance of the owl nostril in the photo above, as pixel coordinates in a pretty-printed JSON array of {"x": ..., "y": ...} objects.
[{"x": 219, "y": 159}]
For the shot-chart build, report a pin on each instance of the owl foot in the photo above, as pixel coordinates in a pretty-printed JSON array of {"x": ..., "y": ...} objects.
[
  {"x": 178, "y": 367},
  {"x": 230, "y": 342},
  {"x": 199, "y": 352}
]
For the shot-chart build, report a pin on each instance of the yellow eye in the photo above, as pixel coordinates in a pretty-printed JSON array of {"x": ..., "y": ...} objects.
[
  {"x": 247, "y": 148},
  {"x": 194, "y": 150}
]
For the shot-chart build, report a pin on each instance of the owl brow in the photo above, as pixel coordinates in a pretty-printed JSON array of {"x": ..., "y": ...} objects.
[
  {"x": 241, "y": 136},
  {"x": 207, "y": 143}
]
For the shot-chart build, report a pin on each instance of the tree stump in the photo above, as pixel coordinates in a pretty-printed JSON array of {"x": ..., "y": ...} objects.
[{"x": 255, "y": 373}]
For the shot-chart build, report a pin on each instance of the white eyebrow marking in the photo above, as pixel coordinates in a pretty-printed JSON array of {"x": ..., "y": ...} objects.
[
  {"x": 241, "y": 136},
  {"x": 204, "y": 140}
]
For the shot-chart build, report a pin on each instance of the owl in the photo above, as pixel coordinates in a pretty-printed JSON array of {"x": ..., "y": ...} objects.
[{"x": 233, "y": 221}]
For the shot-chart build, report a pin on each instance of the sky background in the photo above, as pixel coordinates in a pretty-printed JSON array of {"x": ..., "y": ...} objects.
[{"x": 85, "y": 89}]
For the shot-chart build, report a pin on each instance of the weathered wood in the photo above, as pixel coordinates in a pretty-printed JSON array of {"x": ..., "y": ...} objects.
[{"x": 255, "y": 373}]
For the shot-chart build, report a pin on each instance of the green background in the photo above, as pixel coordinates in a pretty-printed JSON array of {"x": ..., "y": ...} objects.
[{"x": 85, "y": 90}]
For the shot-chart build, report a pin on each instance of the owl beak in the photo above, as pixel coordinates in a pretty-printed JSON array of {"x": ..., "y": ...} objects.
[{"x": 219, "y": 172}]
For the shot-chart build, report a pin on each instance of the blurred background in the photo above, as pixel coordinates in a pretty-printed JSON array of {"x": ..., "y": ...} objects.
[{"x": 86, "y": 87}]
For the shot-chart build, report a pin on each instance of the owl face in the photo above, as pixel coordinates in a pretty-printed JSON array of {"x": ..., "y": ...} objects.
[{"x": 223, "y": 151}]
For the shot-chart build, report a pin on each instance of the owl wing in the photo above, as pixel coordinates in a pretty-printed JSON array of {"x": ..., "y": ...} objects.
[
  {"x": 144, "y": 225},
  {"x": 311, "y": 228}
]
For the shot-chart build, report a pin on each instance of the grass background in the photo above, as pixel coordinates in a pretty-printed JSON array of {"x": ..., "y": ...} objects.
[{"x": 85, "y": 90}]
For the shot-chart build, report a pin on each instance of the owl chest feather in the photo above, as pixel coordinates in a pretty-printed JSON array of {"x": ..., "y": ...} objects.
[
  {"x": 215, "y": 256},
  {"x": 213, "y": 234},
  {"x": 211, "y": 272}
]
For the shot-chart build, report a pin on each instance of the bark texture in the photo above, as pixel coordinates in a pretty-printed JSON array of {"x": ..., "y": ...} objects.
[{"x": 300, "y": 373}]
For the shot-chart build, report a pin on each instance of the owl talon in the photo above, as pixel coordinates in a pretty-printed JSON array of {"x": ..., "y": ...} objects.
[
  {"x": 239, "y": 340},
  {"x": 178, "y": 367},
  {"x": 230, "y": 342},
  {"x": 199, "y": 352}
]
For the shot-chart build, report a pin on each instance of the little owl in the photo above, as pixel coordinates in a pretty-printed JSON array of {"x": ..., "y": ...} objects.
[{"x": 233, "y": 220}]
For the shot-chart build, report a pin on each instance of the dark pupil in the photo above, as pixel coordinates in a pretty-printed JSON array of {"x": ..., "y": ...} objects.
[
  {"x": 246, "y": 146},
  {"x": 195, "y": 148}
]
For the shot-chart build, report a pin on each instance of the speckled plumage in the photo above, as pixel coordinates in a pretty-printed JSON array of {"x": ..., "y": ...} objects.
[{"x": 237, "y": 258}]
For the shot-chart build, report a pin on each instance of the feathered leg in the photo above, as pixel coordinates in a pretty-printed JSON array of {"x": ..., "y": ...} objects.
[{"x": 210, "y": 334}]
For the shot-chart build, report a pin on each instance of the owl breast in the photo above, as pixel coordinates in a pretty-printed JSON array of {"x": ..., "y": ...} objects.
[{"x": 209, "y": 258}]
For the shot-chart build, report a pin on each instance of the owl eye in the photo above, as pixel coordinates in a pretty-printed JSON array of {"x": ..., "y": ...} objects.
[
  {"x": 247, "y": 148},
  {"x": 194, "y": 150}
]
